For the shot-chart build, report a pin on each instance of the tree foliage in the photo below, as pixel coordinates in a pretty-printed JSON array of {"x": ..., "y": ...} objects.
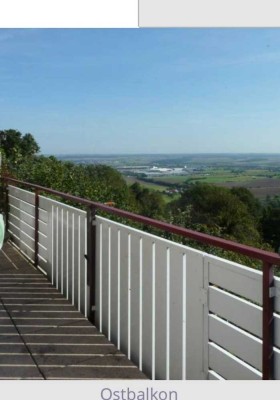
[
  {"x": 253, "y": 205},
  {"x": 95, "y": 182},
  {"x": 270, "y": 223},
  {"x": 150, "y": 203},
  {"x": 212, "y": 208},
  {"x": 17, "y": 147}
]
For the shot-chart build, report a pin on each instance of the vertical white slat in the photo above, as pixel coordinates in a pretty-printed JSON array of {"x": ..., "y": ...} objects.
[
  {"x": 147, "y": 315},
  {"x": 176, "y": 312},
  {"x": 109, "y": 282},
  {"x": 61, "y": 249},
  {"x": 205, "y": 318},
  {"x": 184, "y": 316},
  {"x": 96, "y": 287},
  {"x": 194, "y": 312},
  {"x": 153, "y": 309},
  {"x": 124, "y": 290},
  {"x": 57, "y": 248},
  {"x": 73, "y": 258},
  {"x": 100, "y": 277},
  {"x": 52, "y": 240},
  {"x": 86, "y": 267},
  {"x": 119, "y": 289},
  {"x": 129, "y": 296},
  {"x": 134, "y": 297},
  {"x": 167, "y": 312},
  {"x": 82, "y": 260},
  {"x": 114, "y": 285},
  {"x": 140, "y": 303},
  {"x": 67, "y": 254},
  {"x": 105, "y": 277},
  {"x": 79, "y": 263}
]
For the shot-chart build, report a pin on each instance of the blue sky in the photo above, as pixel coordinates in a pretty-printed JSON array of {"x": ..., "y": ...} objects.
[{"x": 142, "y": 90}]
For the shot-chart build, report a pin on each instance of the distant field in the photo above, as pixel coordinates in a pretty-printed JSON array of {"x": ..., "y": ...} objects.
[
  {"x": 254, "y": 180},
  {"x": 218, "y": 176},
  {"x": 261, "y": 176},
  {"x": 172, "y": 179},
  {"x": 225, "y": 179},
  {"x": 152, "y": 186},
  {"x": 260, "y": 187}
]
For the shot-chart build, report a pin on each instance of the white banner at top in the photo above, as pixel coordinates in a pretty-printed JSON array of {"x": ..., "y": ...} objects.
[{"x": 69, "y": 14}]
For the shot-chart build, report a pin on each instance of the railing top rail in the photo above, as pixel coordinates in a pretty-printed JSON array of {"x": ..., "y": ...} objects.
[{"x": 259, "y": 254}]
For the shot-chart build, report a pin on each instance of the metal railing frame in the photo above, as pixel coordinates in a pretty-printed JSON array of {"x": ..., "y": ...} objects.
[{"x": 269, "y": 259}]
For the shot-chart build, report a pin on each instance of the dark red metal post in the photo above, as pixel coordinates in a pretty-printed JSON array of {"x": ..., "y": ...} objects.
[
  {"x": 91, "y": 261},
  {"x": 36, "y": 231},
  {"x": 6, "y": 205},
  {"x": 268, "y": 323}
]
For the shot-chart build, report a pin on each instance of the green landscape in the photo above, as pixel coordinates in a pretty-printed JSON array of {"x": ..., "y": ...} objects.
[
  {"x": 232, "y": 196},
  {"x": 261, "y": 178}
]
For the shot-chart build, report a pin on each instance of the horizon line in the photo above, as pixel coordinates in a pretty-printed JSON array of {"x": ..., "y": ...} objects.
[{"x": 157, "y": 154}]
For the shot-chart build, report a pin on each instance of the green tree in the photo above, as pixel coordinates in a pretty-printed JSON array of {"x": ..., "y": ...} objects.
[
  {"x": 17, "y": 147},
  {"x": 95, "y": 182},
  {"x": 270, "y": 223},
  {"x": 217, "y": 208},
  {"x": 251, "y": 202},
  {"x": 151, "y": 203}
]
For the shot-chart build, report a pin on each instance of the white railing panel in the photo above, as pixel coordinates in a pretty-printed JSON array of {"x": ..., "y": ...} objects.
[
  {"x": 28, "y": 251},
  {"x": 22, "y": 216},
  {"x": 240, "y": 312},
  {"x": 24, "y": 195},
  {"x": 176, "y": 312},
  {"x": 62, "y": 233},
  {"x": 43, "y": 228},
  {"x": 21, "y": 226},
  {"x": 16, "y": 202},
  {"x": 42, "y": 251},
  {"x": 144, "y": 285},
  {"x": 67, "y": 257},
  {"x": 236, "y": 278},
  {"x": 277, "y": 298},
  {"x": 236, "y": 341},
  {"x": 43, "y": 240},
  {"x": 43, "y": 214},
  {"x": 230, "y": 367},
  {"x": 25, "y": 243}
]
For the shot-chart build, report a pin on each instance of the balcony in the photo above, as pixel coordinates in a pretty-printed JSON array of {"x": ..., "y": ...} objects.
[{"x": 173, "y": 311}]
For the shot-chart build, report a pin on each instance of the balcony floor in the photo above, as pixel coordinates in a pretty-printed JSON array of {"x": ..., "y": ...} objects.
[{"x": 42, "y": 336}]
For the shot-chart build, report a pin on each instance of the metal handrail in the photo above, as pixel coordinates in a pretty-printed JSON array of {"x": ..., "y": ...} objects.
[
  {"x": 230, "y": 245},
  {"x": 269, "y": 259}
]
